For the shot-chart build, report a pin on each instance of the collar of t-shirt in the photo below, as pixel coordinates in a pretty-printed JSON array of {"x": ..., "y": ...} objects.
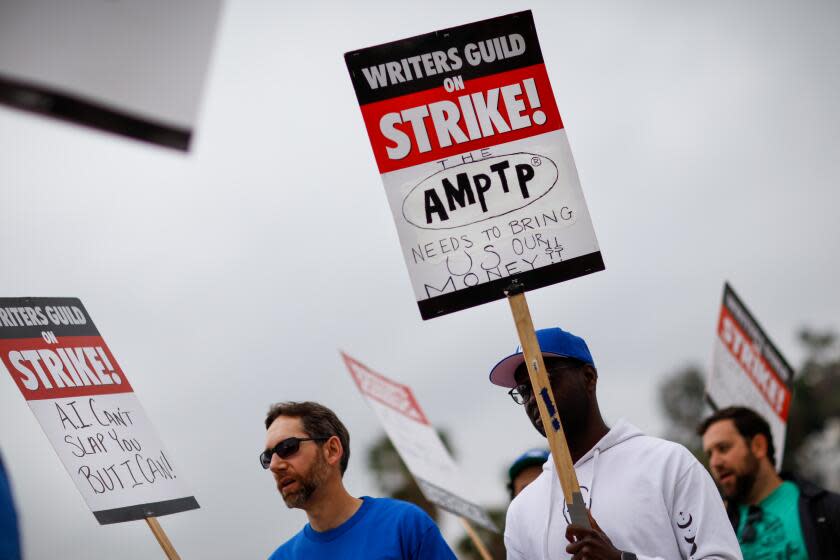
[{"x": 332, "y": 534}]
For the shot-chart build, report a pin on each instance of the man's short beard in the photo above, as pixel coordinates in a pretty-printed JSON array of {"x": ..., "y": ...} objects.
[
  {"x": 308, "y": 484},
  {"x": 744, "y": 482}
]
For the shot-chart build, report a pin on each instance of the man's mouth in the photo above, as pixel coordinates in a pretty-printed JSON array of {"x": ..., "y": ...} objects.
[
  {"x": 287, "y": 485},
  {"x": 726, "y": 478}
]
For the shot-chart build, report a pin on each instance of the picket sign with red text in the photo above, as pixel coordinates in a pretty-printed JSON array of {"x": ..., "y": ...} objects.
[
  {"x": 475, "y": 162},
  {"x": 748, "y": 370},
  {"x": 88, "y": 410},
  {"x": 417, "y": 442}
]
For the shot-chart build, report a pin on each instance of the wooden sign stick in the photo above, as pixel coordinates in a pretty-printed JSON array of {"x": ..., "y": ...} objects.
[
  {"x": 541, "y": 389},
  {"x": 482, "y": 550},
  {"x": 161, "y": 537}
]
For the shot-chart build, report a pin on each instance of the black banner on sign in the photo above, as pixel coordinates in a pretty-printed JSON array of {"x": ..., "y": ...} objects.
[
  {"x": 29, "y": 317},
  {"x": 142, "y": 511},
  {"x": 495, "y": 289},
  {"x": 71, "y": 108},
  {"x": 422, "y": 62},
  {"x": 454, "y": 504}
]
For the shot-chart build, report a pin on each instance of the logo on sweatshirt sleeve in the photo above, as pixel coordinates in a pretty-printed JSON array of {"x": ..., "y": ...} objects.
[{"x": 685, "y": 522}]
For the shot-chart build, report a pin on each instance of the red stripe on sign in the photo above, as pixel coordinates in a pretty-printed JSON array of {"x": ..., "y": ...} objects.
[
  {"x": 767, "y": 380},
  {"x": 381, "y": 389},
  {"x": 435, "y": 124},
  {"x": 72, "y": 366}
]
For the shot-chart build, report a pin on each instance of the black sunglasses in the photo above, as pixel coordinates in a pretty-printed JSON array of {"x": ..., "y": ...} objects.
[
  {"x": 754, "y": 515},
  {"x": 285, "y": 449}
]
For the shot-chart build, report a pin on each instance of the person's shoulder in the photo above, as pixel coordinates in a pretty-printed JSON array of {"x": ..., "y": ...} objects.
[
  {"x": 659, "y": 447},
  {"x": 397, "y": 508},
  {"x": 287, "y": 550},
  {"x": 650, "y": 451},
  {"x": 811, "y": 490},
  {"x": 416, "y": 529}
]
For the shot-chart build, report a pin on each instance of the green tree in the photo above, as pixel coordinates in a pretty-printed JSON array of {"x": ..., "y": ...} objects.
[
  {"x": 681, "y": 397},
  {"x": 815, "y": 409}
]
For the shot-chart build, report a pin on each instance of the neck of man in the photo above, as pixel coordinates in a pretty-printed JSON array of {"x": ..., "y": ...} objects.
[
  {"x": 330, "y": 505},
  {"x": 581, "y": 441},
  {"x": 766, "y": 482}
]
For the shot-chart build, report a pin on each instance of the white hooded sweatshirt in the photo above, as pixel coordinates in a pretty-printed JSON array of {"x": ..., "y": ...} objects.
[{"x": 649, "y": 496}]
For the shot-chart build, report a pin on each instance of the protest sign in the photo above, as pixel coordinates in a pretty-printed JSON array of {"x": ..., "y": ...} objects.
[
  {"x": 748, "y": 370},
  {"x": 88, "y": 410},
  {"x": 475, "y": 162},
  {"x": 417, "y": 442},
  {"x": 133, "y": 68}
]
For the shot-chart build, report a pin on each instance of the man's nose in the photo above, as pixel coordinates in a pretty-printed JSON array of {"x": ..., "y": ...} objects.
[{"x": 277, "y": 464}]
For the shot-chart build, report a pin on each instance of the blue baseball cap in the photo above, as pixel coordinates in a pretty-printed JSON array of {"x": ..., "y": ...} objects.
[
  {"x": 530, "y": 458},
  {"x": 554, "y": 343}
]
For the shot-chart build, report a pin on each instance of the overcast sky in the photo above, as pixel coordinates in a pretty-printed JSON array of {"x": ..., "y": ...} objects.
[{"x": 707, "y": 139}]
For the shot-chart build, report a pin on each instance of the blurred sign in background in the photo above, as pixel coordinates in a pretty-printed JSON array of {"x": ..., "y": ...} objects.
[{"x": 132, "y": 68}]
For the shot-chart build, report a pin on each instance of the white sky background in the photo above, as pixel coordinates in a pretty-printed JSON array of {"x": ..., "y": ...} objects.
[{"x": 707, "y": 138}]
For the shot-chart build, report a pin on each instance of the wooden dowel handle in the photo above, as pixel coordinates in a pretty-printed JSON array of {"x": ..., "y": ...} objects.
[
  {"x": 482, "y": 550},
  {"x": 161, "y": 537}
]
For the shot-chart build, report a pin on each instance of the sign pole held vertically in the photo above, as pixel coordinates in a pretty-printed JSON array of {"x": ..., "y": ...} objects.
[{"x": 541, "y": 389}]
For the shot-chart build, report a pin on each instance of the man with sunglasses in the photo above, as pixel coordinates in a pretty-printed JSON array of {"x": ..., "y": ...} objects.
[
  {"x": 775, "y": 516},
  {"x": 307, "y": 450},
  {"x": 647, "y": 498}
]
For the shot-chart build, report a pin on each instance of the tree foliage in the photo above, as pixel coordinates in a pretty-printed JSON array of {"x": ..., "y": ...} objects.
[
  {"x": 814, "y": 408},
  {"x": 681, "y": 396}
]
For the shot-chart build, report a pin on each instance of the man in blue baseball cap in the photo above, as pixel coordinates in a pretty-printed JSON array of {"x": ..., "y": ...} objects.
[
  {"x": 525, "y": 470},
  {"x": 647, "y": 497}
]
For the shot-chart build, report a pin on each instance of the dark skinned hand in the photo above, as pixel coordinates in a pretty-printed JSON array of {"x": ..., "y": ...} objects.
[{"x": 590, "y": 544}]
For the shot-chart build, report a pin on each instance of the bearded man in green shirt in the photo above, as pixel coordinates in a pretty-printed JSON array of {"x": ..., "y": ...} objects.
[{"x": 775, "y": 516}]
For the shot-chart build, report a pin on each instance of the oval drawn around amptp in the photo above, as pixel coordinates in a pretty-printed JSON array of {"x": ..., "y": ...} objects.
[{"x": 479, "y": 190}]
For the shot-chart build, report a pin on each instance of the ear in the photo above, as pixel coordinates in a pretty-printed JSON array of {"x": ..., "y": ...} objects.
[
  {"x": 333, "y": 450},
  {"x": 590, "y": 377},
  {"x": 758, "y": 445}
]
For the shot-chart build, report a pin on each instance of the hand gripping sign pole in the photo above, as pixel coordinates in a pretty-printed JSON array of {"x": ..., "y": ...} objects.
[
  {"x": 161, "y": 537},
  {"x": 541, "y": 389}
]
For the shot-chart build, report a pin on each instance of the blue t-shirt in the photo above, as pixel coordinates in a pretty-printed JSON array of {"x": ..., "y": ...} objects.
[
  {"x": 9, "y": 537},
  {"x": 381, "y": 529}
]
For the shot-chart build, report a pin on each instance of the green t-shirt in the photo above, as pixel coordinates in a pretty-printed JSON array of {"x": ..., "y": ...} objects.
[{"x": 777, "y": 534}]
